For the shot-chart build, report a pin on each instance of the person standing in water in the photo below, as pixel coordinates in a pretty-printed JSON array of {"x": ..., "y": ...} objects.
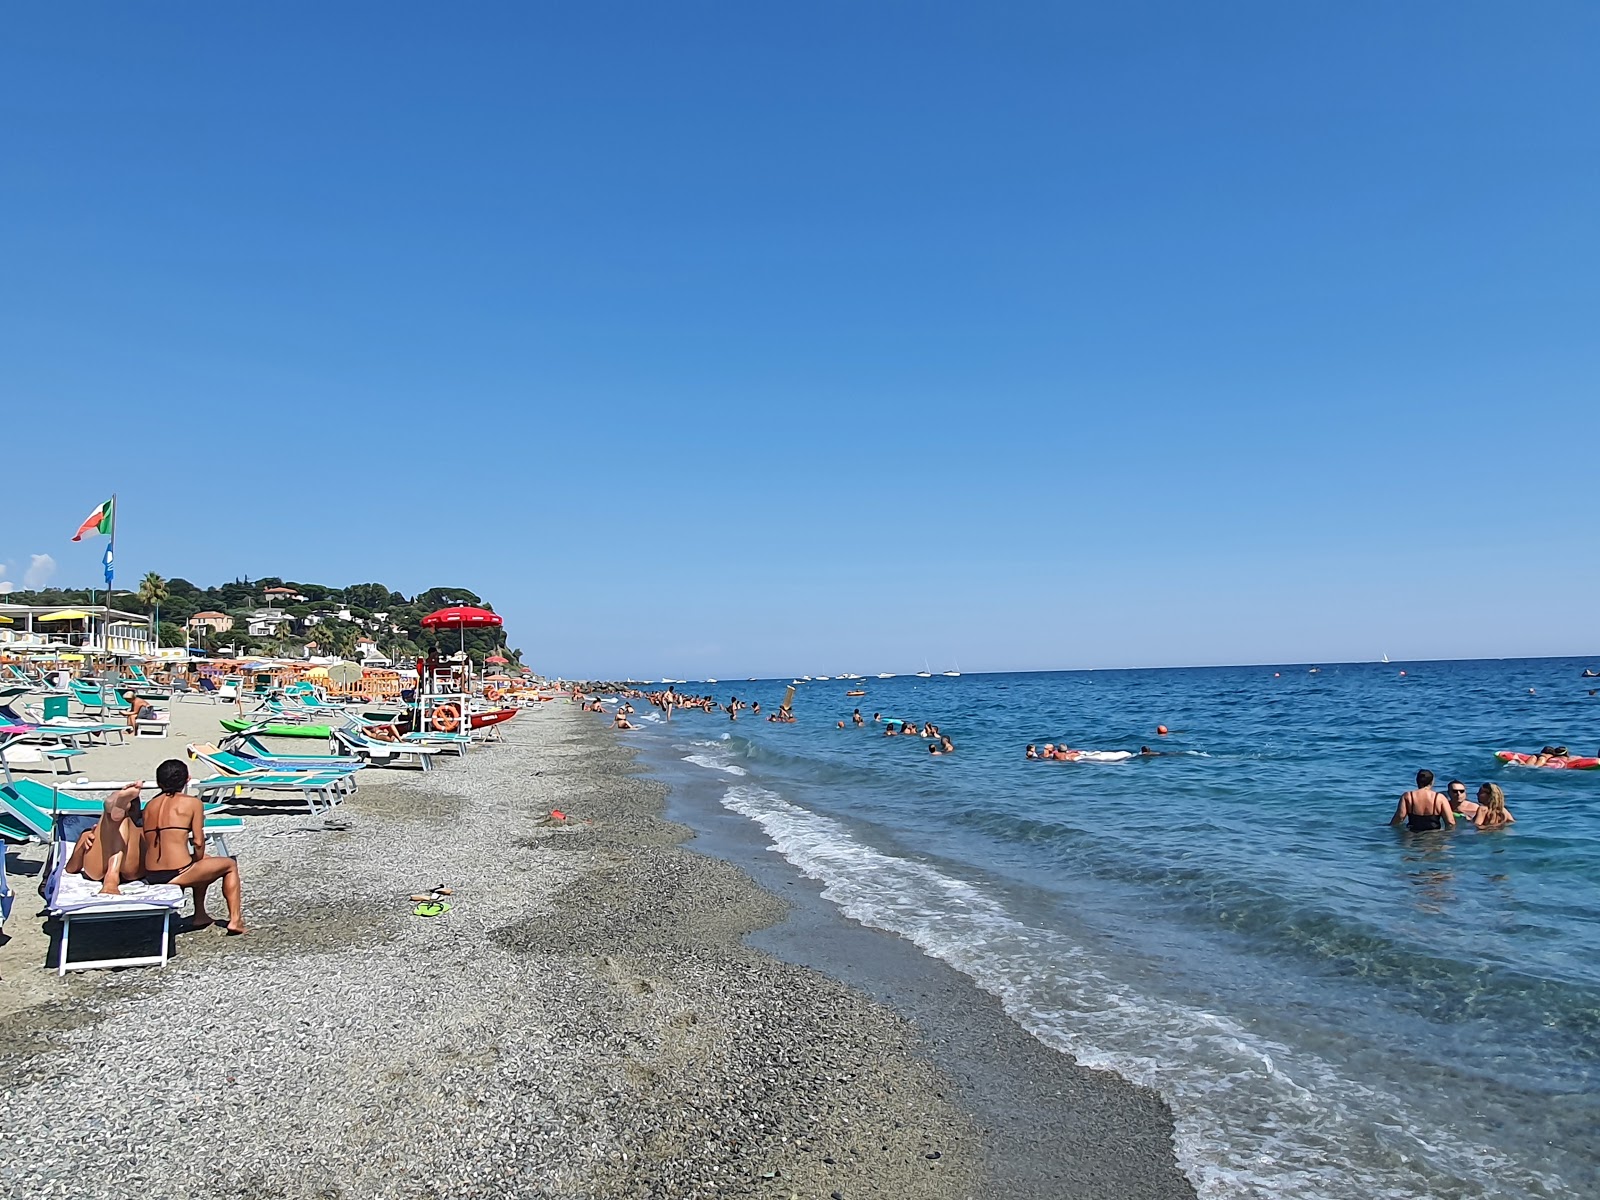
[
  {"x": 1423, "y": 809},
  {"x": 1492, "y": 812}
]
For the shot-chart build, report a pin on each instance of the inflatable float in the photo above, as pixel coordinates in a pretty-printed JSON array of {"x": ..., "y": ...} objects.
[
  {"x": 239, "y": 724},
  {"x": 1562, "y": 763}
]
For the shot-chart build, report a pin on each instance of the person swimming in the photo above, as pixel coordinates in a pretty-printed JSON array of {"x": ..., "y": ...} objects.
[{"x": 1030, "y": 752}]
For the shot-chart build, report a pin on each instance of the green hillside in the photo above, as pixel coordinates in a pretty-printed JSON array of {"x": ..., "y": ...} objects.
[{"x": 314, "y": 615}]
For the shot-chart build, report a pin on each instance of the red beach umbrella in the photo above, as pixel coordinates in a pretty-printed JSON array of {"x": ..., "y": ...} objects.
[
  {"x": 497, "y": 660},
  {"x": 462, "y": 615}
]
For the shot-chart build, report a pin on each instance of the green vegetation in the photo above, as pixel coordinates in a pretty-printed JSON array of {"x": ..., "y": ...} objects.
[{"x": 327, "y": 621}]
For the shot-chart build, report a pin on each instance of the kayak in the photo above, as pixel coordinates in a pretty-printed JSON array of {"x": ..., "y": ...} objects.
[
  {"x": 1568, "y": 763},
  {"x": 237, "y": 724},
  {"x": 482, "y": 720}
]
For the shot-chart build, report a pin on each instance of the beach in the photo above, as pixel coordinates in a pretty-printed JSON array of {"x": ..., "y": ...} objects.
[{"x": 589, "y": 1018}]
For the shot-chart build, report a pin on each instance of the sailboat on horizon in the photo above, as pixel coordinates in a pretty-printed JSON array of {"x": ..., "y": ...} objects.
[{"x": 1385, "y": 658}]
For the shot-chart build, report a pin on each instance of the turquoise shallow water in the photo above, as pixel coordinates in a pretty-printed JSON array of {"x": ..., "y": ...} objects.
[{"x": 1332, "y": 1007}]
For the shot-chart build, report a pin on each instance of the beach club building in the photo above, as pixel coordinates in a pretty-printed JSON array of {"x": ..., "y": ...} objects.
[{"x": 80, "y": 627}]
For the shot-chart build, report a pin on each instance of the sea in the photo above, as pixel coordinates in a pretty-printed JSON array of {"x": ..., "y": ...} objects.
[{"x": 1332, "y": 1007}]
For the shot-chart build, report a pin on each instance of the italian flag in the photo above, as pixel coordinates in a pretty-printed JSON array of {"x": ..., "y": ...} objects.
[{"x": 99, "y": 521}]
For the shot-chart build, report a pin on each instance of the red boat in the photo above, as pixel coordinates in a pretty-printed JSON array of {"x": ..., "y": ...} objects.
[
  {"x": 482, "y": 720},
  {"x": 1563, "y": 763}
]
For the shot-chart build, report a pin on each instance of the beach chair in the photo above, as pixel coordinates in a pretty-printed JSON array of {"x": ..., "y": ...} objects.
[
  {"x": 16, "y": 749},
  {"x": 227, "y": 763},
  {"x": 7, "y": 897},
  {"x": 378, "y": 753},
  {"x": 152, "y": 721},
  {"x": 71, "y": 899},
  {"x": 90, "y": 698},
  {"x": 321, "y": 793},
  {"x": 29, "y": 808},
  {"x": 247, "y": 745}
]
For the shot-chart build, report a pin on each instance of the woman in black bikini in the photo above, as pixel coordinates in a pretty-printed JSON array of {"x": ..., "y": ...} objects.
[{"x": 173, "y": 846}]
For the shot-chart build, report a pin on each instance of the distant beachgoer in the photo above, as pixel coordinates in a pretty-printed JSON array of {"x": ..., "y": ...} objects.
[
  {"x": 1146, "y": 752},
  {"x": 1456, "y": 792},
  {"x": 935, "y": 748},
  {"x": 621, "y": 721},
  {"x": 756, "y": 708},
  {"x": 182, "y": 859},
  {"x": 1423, "y": 809},
  {"x": 841, "y": 724},
  {"x": 109, "y": 853},
  {"x": 946, "y": 746},
  {"x": 856, "y": 717},
  {"x": 1049, "y": 751},
  {"x": 136, "y": 705},
  {"x": 891, "y": 730},
  {"x": 1030, "y": 752},
  {"x": 876, "y": 717},
  {"x": 1492, "y": 812}
]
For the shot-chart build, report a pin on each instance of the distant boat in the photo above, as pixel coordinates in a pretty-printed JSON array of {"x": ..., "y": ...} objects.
[
  {"x": 1588, "y": 674},
  {"x": 711, "y": 681},
  {"x": 1385, "y": 658},
  {"x": 1314, "y": 671},
  {"x": 822, "y": 678},
  {"x": 951, "y": 674},
  {"x": 885, "y": 674},
  {"x": 924, "y": 674}
]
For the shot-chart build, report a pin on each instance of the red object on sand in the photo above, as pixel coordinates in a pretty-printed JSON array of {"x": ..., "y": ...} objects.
[
  {"x": 482, "y": 720},
  {"x": 461, "y": 614}
]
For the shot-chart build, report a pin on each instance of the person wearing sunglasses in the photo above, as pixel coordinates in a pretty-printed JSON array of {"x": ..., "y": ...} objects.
[{"x": 1456, "y": 792}]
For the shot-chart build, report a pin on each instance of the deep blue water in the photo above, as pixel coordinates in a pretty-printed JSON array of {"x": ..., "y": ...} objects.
[{"x": 1331, "y": 1006}]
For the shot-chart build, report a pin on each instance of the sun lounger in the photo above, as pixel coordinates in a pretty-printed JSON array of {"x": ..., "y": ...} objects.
[
  {"x": 321, "y": 793},
  {"x": 235, "y": 764},
  {"x": 29, "y": 808},
  {"x": 380, "y": 753},
  {"x": 70, "y": 898}
]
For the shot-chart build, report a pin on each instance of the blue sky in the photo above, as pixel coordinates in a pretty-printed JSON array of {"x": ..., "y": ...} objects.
[{"x": 748, "y": 339}]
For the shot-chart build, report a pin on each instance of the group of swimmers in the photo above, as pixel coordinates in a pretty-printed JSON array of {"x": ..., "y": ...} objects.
[
  {"x": 163, "y": 841},
  {"x": 1423, "y": 809},
  {"x": 938, "y": 742}
]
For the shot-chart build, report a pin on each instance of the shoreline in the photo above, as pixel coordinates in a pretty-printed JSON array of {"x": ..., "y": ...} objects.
[
  {"x": 1029, "y": 1099},
  {"x": 587, "y": 1020}
]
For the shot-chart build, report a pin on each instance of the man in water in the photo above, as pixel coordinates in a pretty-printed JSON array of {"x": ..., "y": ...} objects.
[
  {"x": 1456, "y": 792},
  {"x": 1423, "y": 809},
  {"x": 857, "y": 718}
]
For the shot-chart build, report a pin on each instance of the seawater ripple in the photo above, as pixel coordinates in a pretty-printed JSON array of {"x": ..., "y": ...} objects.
[{"x": 1332, "y": 1007}]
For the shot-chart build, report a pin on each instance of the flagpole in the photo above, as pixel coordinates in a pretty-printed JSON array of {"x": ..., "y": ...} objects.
[{"x": 111, "y": 558}]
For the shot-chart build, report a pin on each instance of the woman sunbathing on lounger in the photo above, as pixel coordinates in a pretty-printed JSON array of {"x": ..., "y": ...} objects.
[
  {"x": 109, "y": 853},
  {"x": 173, "y": 847}
]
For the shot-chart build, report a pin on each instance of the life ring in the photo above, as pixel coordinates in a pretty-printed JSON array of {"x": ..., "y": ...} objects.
[
  {"x": 446, "y": 717},
  {"x": 492, "y": 694}
]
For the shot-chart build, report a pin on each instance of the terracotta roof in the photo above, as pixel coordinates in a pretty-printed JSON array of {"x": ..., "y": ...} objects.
[{"x": 197, "y": 616}]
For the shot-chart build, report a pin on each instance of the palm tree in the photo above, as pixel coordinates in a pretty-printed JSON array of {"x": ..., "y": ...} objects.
[{"x": 152, "y": 591}]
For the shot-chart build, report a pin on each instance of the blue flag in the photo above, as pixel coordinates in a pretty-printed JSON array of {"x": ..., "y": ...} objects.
[{"x": 107, "y": 561}]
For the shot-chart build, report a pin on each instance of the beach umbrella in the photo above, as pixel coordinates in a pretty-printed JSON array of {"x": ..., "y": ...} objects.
[
  {"x": 462, "y": 617},
  {"x": 498, "y": 660},
  {"x": 5, "y": 621},
  {"x": 66, "y": 614},
  {"x": 317, "y": 673},
  {"x": 343, "y": 673}
]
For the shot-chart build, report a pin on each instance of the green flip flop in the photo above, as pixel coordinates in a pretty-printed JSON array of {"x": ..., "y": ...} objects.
[{"x": 430, "y": 908}]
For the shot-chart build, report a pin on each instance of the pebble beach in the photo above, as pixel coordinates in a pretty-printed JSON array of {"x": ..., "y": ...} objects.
[{"x": 588, "y": 1019}]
